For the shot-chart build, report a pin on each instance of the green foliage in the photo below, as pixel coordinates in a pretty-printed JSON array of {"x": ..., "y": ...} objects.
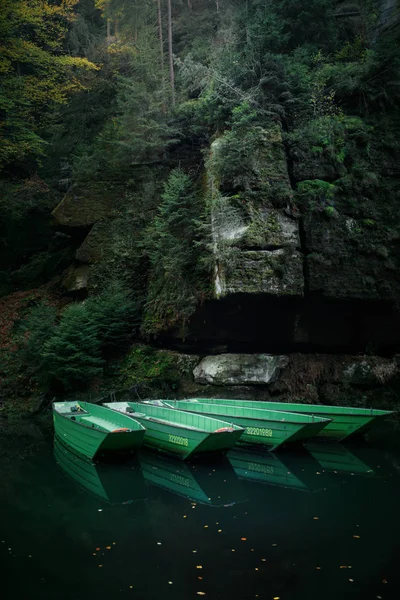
[
  {"x": 116, "y": 318},
  {"x": 173, "y": 244},
  {"x": 146, "y": 370},
  {"x": 316, "y": 194},
  {"x": 71, "y": 357},
  {"x": 35, "y": 330},
  {"x": 34, "y": 73},
  {"x": 69, "y": 354}
]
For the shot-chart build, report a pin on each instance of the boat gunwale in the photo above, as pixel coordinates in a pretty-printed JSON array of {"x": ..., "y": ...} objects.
[
  {"x": 362, "y": 412},
  {"x": 86, "y": 413}
]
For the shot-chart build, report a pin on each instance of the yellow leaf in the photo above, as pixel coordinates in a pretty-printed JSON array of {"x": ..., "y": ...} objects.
[
  {"x": 199, "y": 566},
  {"x": 201, "y": 593}
]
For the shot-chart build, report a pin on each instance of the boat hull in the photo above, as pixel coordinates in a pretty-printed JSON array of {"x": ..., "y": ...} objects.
[
  {"x": 345, "y": 421},
  {"x": 92, "y": 442},
  {"x": 167, "y": 431},
  {"x": 262, "y": 427}
]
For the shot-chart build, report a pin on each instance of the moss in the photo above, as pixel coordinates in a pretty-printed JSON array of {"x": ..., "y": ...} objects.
[
  {"x": 147, "y": 371},
  {"x": 83, "y": 206}
]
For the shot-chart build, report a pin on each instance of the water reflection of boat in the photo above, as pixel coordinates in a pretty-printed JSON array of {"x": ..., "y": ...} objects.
[
  {"x": 116, "y": 484},
  {"x": 335, "y": 457},
  {"x": 264, "y": 467},
  {"x": 215, "y": 485}
]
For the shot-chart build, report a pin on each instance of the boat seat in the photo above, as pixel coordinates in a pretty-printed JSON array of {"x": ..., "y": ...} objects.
[{"x": 103, "y": 423}]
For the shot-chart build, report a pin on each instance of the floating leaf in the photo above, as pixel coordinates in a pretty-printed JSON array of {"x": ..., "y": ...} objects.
[
  {"x": 158, "y": 543},
  {"x": 108, "y": 547},
  {"x": 384, "y": 580},
  {"x": 205, "y": 526},
  {"x": 351, "y": 580},
  {"x": 184, "y": 516},
  {"x": 200, "y": 578},
  {"x": 316, "y": 518},
  {"x": 274, "y": 545},
  {"x": 343, "y": 567},
  {"x": 357, "y": 537},
  {"x": 201, "y": 593},
  {"x": 170, "y": 582},
  {"x": 318, "y": 568},
  {"x": 199, "y": 566},
  {"x": 130, "y": 587},
  {"x": 97, "y": 549},
  {"x": 100, "y": 566},
  {"x": 233, "y": 550},
  {"x": 243, "y": 539},
  {"x": 219, "y": 530},
  {"x": 256, "y": 569}
]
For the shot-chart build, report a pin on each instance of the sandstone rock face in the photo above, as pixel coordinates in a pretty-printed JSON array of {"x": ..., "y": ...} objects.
[
  {"x": 239, "y": 369},
  {"x": 82, "y": 207},
  {"x": 75, "y": 278},
  {"x": 255, "y": 233}
]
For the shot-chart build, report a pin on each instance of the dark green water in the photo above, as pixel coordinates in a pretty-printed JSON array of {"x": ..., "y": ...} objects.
[{"x": 255, "y": 527}]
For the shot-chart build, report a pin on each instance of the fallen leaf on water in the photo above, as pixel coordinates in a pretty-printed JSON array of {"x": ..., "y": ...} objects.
[
  {"x": 100, "y": 566},
  {"x": 219, "y": 530},
  {"x": 264, "y": 560},
  {"x": 205, "y": 526},
  {"x": 170, "y": 582},
  {"x": 130, "y": 587},
  {"x": 199, "y": 566},
  {"x": 158, "y": 543},
  {"x": 256, "y": 569},
  {"x": 351, "y": 580},
  {"x": 194, "y": 551},
  {"x": 343, "y": 567},
  {"x": 100, "y": 510},
  {"x": 233, "y": 550},
  {"x": 274, "y": 544},
  {"x": 251, "y": 549},
  {"x": 94, "y": 553},
  {"x": 97, "y": 549},
  {"x": 318, "y": 568},
  {"x": 108, "y": 547},
  {"x": 357, "y": 537},
  {"x": 114, "y": 543},
  {"x": 318, "y": 473},
  {"x": 384, "y": 581},
  {"x": 276, "y": 597},
  {"x": 316, "y": 518},
  {"x": 201, "y": 593},
  {"x": 243, "y": 539},
  {"x": 200, "y": 578},
  {"x": 184, "y": 516}
]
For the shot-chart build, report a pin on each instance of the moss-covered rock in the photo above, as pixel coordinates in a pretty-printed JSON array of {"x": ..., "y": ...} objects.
[
  {"x": 278, "y": 272},
  {"x": 83, "y": 206}
]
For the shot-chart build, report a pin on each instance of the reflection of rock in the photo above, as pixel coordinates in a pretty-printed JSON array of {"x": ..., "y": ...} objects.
[{"x": 239, "y": 369}]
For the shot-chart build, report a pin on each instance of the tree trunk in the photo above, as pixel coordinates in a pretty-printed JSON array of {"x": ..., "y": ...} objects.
[
  {"x": 108, "y": 31},
  {"x": 160, "y": 35},
  {"x": 171, "y": 58}
]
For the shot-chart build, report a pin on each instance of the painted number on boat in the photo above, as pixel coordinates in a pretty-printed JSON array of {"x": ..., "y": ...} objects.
[
  {"x": 176, "y": 439},
  {"x": 259, "y": 431},
  {"x": 266, "y": 469}
]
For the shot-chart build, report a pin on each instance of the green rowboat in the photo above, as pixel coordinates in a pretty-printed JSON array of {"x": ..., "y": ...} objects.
[
  {"x": 268, "y": 428},
  {"x": 94, "y": 431},
  {"x": 345, "y": 421},
  {"x": 113, "y": 483},
  {"x": 180, "y": 433}
]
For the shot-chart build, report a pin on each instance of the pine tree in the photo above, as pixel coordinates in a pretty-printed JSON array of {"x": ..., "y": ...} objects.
[{"x": 71, "y": 358}]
